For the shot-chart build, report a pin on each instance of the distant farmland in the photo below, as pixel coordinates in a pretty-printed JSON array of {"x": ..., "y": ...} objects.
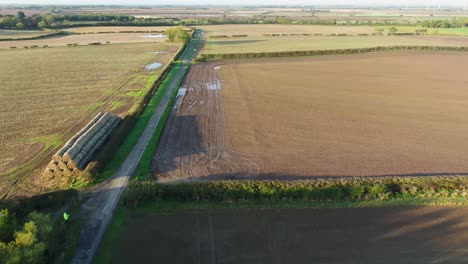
[
  {"x": 293, "y": 43},
  {"x": 115, "y": 29},
  {"x": 258, "y": 30},
  {"x": 47, "y": 94},
  {"x": 17, "y": 34},
  {"x": 81, "y": 39},
  {"x": 393, "y": 113}
]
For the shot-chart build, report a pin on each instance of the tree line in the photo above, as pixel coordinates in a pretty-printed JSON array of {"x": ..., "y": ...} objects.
[{"x": 40, "y": 21}]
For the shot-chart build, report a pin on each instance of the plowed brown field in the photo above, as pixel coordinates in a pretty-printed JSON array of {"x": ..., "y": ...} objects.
[
  {"x": 398, "y": 113},
  {"x": 331, "y": 235}
]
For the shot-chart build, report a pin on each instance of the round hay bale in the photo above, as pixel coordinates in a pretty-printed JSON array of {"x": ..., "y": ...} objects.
[
  {"x": 67, "y": 173},
  {"x": 71, "y": 165},
  {"x": 82, "y": 140},
  {"x": 76, "y": 172},
  {"x": 62, "y": 165},
  {"x": 58, "y": 174},
  {"x": 56, "y": 158},
  {"x": 53, "y": 166},
  {"x": 48, "y": 173}
]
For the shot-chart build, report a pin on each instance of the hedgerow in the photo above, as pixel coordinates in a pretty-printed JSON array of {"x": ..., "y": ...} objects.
[
  {"x": 320, "y": 190},
  {"x": 252, "y": 55}
]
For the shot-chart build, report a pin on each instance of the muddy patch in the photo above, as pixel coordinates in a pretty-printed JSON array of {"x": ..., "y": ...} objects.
[
  {"x": 157, "y": 52},
  {"x": 153, "y": 36},
  {"x": 153, "y": 65},
  {"x": 213, "y": 86}
]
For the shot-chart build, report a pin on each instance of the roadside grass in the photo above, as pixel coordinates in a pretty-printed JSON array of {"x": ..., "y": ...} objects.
[
  {"x": 143, "y": 169},
  {"x": 111, "y": 238},
  {"x": 132, "y": 138}
]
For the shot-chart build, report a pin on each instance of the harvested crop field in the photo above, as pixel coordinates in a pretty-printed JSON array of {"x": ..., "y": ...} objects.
[
  {"x": 393, "y": 113},
  {"x": 82, "y": 39},
  {"x": 259, "y": 30},
  {"x": 64, "y": 89},
  {"x": 360, "y": 235},
  {"x": 293, "y": 43},
  {"x": 116, "y": 29},
  {"x": 17, "y": 34}
]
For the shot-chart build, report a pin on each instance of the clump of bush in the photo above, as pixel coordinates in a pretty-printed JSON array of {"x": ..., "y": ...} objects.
[
  {"x": 13, "y": 47},
  {"x": 94, "y": 43},
  {"x": 320, "y": 190},
  {"x": 239, "y": 36},
  {"x": 26, "y": 241}
]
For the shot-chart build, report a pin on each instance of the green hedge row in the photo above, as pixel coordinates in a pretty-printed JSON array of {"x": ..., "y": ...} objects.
[
  {"x": 320, "y": 190},
  {"x": 228, "y": 56}
]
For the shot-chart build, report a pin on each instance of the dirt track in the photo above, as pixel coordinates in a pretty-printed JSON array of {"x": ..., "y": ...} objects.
[
  {"x": 382, "y": 114},
  {"x": 351, "y": 235}
]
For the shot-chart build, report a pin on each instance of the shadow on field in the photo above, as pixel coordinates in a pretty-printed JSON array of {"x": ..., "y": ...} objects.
[
  {"x": 326, "y": 235},
  {"x": 184, "y": 140},
  {"x": 234, "y": 42},
  {"x": 288, "y": 177}
]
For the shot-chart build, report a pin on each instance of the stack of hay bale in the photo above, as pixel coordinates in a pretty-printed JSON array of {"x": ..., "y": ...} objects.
[{"x": 73, "y": 158}]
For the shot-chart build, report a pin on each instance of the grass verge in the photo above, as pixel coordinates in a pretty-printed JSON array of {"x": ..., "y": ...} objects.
[
  {"x": 131, "y": 138},
  {"x": 113, "y": 235}
]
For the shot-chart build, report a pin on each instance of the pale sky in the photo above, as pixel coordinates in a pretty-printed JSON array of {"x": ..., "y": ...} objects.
[{"x": 235, "y": 2}]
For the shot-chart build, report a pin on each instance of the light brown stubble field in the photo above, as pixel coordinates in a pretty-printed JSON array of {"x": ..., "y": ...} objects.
[
  {"x": 81, "y": 39},
  {"x": 48, "y": 94},
  {"x": 395, "y": 113}
]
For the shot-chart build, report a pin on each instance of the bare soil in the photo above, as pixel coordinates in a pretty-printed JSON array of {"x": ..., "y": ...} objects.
[
  {"x": 347, "y": 235},
  {"x": 381, "y": 114}
]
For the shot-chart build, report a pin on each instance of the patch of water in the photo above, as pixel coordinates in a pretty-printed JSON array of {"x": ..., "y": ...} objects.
[
  {"x": 213, "y": 86},
  {"x": 153, "y": 65},
  {"x": 153, "y": 36},
  {"x": 217, "y": 68},
  {"x": 180, "y": 97}
]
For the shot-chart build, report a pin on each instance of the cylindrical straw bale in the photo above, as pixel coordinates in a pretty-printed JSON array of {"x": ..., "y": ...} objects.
[
  {"x": 53, "y": 166},
  {"x": 62, "y": 165}
]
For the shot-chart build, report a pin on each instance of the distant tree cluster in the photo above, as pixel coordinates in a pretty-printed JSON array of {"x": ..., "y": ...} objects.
[
  {"x": 454, "y": 23},
  {"x": 177, "y": 34},
  {"x": 40, "y": 21}
]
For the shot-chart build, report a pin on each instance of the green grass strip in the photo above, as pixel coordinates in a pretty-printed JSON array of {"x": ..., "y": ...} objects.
[
  {"x": 112, "y": 237},
  {"x": 143, "y": 168},
  {"x": 140, "y": 125}
]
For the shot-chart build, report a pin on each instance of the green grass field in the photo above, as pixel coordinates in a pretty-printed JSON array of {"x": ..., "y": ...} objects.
[
  {"x": 48, "y": 94},
  {"x": 265, "y": 44}
]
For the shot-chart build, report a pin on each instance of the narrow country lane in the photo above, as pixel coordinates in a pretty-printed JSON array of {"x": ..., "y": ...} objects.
[{"x": 100, "y": 207}]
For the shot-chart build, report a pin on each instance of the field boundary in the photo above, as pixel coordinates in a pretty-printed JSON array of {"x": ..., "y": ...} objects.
[
  {"x": 300, "y": 53},
  {"x": 329, "y": 191},
  {"x": 59, "y": 33}
]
